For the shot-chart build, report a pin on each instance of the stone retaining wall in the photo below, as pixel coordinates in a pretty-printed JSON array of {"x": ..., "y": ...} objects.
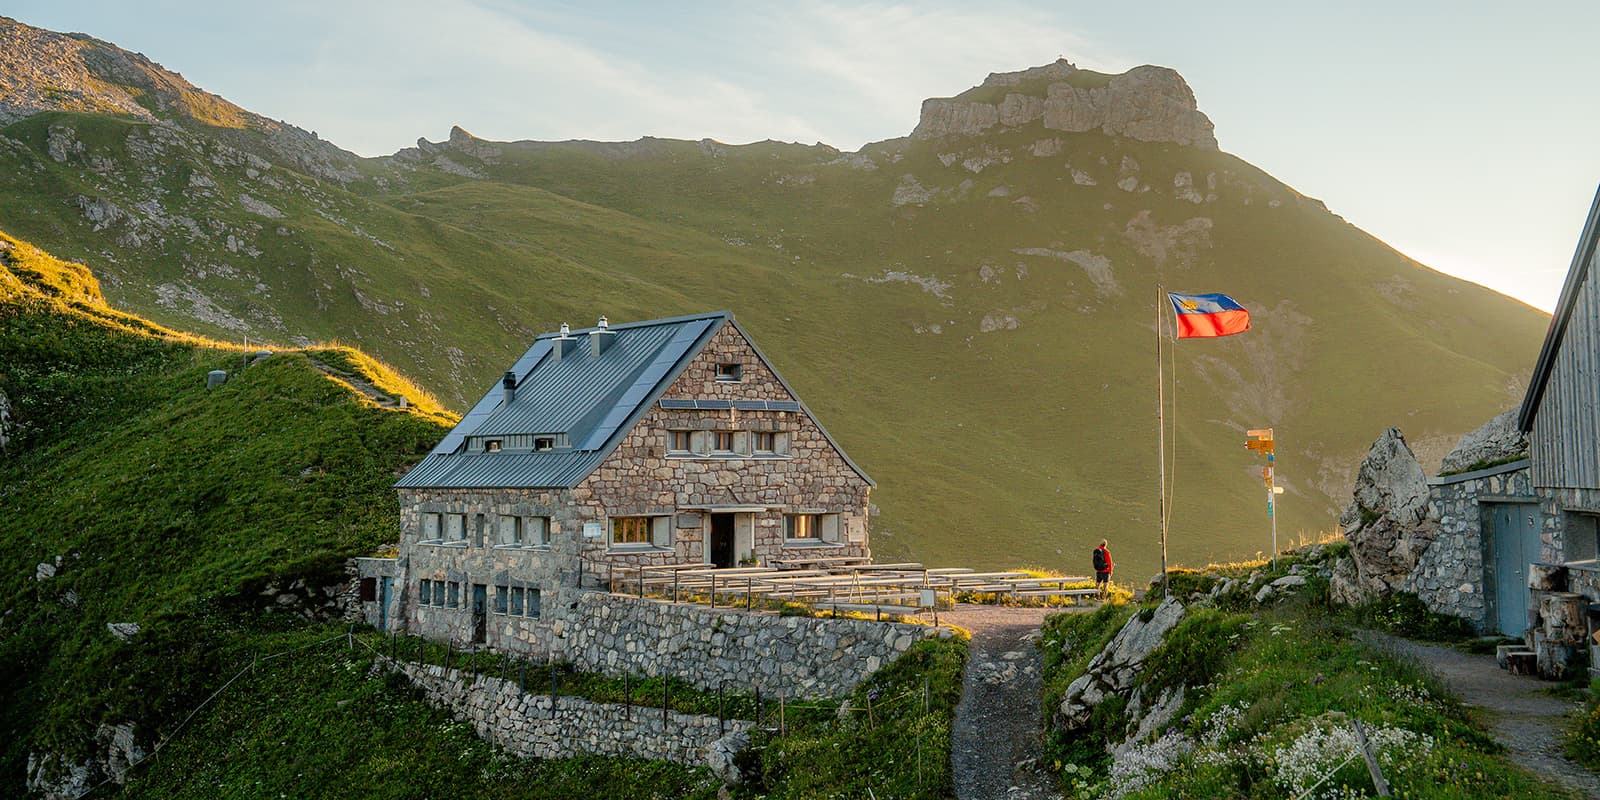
[
  {"x": 539, "y": 726},
  {"x": 742, "y": 650}
]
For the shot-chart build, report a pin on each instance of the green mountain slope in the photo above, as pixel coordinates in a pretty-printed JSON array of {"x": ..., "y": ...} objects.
[{"x": 970, "y": 313}]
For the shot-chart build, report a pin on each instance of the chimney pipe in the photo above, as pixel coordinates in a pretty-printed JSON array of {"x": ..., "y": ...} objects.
[
  {"x": 508, "y": 386},
  {"x": 563, "y": 345},
  {"x": 601, "y": 338}
]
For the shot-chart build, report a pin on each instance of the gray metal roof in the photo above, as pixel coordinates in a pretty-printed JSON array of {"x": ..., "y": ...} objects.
[{"x": 591, "y": 400}]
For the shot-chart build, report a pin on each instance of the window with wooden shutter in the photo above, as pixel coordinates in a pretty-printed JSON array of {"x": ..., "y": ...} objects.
[
  {"x": 430, "y": 527},
  {"x": 630, "y": 530},
  {"x": 536, "y": 531},
  {"x": 455, "y": 527},
  {"x": 510, "y": 530},
  {"x": 701, "y": 442}
]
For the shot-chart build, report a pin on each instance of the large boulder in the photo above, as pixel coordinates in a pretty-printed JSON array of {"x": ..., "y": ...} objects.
[
  {"x": 1498, "y": 440},
  {"x": 1389, "y": 522},
  {"x": 1114, "y": 669}
]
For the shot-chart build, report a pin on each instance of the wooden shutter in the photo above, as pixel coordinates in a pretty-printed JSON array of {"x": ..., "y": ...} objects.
[
  {"x": 430, "y": 526},
  {"x": 661, "y": 531},
  {"x": 700, "y": 442},
  {"x": 830, "y": 527}
]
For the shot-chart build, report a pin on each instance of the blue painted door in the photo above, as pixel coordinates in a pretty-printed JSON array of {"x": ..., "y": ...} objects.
[
  {"x": 1516, "y": 545},
  {"x": 385, "y": 586}
]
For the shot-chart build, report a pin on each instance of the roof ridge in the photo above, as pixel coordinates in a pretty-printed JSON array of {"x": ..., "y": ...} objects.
[{"x": 623, "y": 326}]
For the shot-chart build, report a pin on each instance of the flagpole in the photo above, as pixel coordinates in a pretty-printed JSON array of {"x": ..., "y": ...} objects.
[{"x": 1161, "y": 446}]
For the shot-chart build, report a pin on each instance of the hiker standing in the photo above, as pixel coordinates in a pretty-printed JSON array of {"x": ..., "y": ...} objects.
[{"x": 1102, "y": 568}]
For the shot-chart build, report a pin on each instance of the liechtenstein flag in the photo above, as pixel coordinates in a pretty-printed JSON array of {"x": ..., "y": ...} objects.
[{"x": 1208, "y": 315}]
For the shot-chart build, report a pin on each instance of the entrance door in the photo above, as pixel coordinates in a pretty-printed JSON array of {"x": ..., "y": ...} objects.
[
  {"x": 480, "y": 612},
  {"x": 1516, "y": 545},
  {"x": 722, "y": 540},
  {"x": 385, "y": 586}
]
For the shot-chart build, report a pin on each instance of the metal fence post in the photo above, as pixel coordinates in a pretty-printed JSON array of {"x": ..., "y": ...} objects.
[
  {"x": 713, "y": 590},
  {"x": 663, "y": 704},
  {"x": 722, "y": 727},
  {"x": 749, "y": 596}
]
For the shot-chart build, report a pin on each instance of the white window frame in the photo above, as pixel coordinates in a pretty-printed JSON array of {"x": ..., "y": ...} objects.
[{"x": 658, "y": 532}]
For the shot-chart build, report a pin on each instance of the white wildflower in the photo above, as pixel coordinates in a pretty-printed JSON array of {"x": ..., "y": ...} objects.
[
  {"x": 1142, "y": 765},
  {"x": 1321, "y": 750}
]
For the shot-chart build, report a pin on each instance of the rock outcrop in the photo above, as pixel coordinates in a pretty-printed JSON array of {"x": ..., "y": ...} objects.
[
  {"x": 115, "y": 752},
  {"x": 1116, "y": 668},
  {"x": 1389, "y": 523},
  {"x": 7, "y": 426},
  {"x": 1148, "y": 103},
  {"x": 1497, "y": 440}
]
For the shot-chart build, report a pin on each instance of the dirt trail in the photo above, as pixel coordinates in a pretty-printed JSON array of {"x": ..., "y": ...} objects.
[
  {"x": 357, "y": 383},
  {"x": 996, "y": 735},
  {"x": 1528, "y": 723}
]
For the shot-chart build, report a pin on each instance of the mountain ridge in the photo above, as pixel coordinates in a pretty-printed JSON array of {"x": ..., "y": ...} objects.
[{"x": 968, "y": 313}]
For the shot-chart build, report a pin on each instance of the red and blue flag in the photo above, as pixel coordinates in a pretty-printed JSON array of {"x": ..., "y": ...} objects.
[{"x": 1208, "y": 315}]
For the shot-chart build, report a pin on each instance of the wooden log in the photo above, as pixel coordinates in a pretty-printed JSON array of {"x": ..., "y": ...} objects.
[
  {"x": 1564, "y": 617},
  {"x": 1558, "y": 661},
  {"x": 1547, "y": 577}
]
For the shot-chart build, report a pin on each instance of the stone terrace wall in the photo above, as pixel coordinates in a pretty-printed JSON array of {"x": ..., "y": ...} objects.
[
  {"x": 538, "y": 726},
  {"x": 800, "y": 656}
]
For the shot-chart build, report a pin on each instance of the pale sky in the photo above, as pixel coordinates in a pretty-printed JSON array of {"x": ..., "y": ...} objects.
[{"x": 1461, "y": 133}]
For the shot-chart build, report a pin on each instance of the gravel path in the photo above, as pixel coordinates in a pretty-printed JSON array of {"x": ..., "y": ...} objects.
[
  {"x": 1528, "y": 723},
  {"x": 995, "y": 738}
]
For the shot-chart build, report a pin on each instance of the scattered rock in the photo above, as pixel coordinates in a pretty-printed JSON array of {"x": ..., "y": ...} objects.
[
  {"x": 259, "y": 207},
  {"x": 44, "y": 571},
  {"x": 123, "y": 630},
  {"x": 722, "y": 757}
]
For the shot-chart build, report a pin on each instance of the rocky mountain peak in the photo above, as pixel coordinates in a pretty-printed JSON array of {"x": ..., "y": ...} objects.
[
  {"x": 42, "y": 70},
  {"x": 1148, "y": 103}
]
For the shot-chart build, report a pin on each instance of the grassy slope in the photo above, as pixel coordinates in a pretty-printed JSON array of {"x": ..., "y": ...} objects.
[
  {"x": 1022, "y": 444},
  {"x": 1257, "y": 680}
]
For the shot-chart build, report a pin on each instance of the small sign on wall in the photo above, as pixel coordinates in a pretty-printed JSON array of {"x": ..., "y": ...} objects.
[{"x": 593, "y": 530}]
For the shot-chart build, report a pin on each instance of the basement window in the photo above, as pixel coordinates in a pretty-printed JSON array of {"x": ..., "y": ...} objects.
[{"x": 730, "y": 373}]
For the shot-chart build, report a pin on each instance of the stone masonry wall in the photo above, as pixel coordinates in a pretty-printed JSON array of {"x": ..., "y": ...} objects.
[
  {"x": 799, "y": 656},
  {"x": 1449, "y": 576},
  {"x": 641, "y": 478},
  {"x": 539, "y": 726}
]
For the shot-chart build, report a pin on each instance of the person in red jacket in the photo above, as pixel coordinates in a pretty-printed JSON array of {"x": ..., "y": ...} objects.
[{"x": 1102, "y": 568}]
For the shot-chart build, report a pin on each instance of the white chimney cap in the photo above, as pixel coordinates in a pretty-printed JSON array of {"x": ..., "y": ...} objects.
[
  {"x": 564, "y": 329},
  {"x": 603, "y": 323}
]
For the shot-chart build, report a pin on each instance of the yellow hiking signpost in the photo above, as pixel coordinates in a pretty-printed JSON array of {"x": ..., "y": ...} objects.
[{"x": 1261, "y": 441}]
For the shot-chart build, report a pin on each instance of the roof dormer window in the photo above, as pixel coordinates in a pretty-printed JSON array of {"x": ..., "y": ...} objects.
[
  {"x": 492, "y": 445},
  {"x": 730, "y": 373},
  {"x": 542, "y": 444}
]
